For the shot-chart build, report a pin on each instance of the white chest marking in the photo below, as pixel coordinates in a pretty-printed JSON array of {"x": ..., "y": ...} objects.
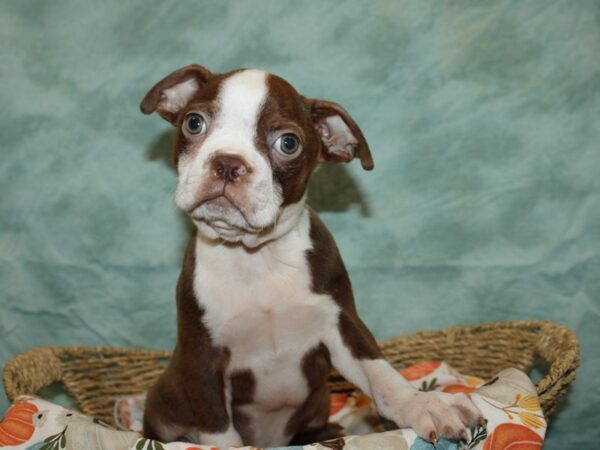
[{"x": 260, "y": 305}]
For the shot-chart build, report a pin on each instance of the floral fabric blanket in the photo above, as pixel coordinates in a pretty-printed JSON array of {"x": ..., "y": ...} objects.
[{"x": 509, "y": 402}]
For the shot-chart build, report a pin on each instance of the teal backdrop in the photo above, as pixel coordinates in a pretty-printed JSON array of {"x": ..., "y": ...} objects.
[{"x": 484, "y": 205}]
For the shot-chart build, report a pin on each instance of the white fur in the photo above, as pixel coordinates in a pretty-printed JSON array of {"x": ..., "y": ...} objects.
[
  {"x": 232, "y": 131},
  {"x": 388, "y": 388},
  {"x": 175, "y": 98},
  {"x": 227, "y": 439},
  {"x": 428, "y": 413},
  {"x": 260, "y": 305}
]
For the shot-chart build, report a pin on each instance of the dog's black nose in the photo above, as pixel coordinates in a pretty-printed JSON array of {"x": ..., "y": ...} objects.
[{"x": 229, "y": 167}]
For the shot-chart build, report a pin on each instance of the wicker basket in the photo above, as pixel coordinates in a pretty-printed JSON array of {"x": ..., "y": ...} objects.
[{"x": 95, "y": 376}]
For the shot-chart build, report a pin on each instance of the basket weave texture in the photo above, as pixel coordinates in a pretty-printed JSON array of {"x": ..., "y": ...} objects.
[{"x": 95, "y": 376}]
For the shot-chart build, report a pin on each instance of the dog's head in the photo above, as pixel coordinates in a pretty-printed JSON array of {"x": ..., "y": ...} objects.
[{"x": 245, "y": 147}]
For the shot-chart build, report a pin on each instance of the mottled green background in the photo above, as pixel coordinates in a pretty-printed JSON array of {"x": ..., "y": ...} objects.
[{"x": 483, "y": 118}]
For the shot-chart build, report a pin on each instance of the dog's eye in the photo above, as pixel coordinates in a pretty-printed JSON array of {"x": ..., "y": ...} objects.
[
  {"x": 288, "y": 144},
  {"x": 195, "y": 124}
]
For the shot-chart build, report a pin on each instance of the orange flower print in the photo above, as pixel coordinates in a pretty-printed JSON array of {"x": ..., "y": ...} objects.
[
  {"x": 419, "y": 370},
  {"x": 472, "y": 381},
  {"x": 17, "y": 425},
  {"x": 514, "y": 437},
  {"x": 531, "y": 420},
  {"x": 530, "y": 404},
  {"x": 457, "y": 388},
  {"x": 337, "y": 402}
]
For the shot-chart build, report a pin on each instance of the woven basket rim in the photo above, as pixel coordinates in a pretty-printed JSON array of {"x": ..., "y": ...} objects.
[{"x": 555, "y": 343}]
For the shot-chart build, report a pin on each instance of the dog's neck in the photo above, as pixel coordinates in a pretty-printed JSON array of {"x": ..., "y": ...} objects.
[{"x": 287, "y": 220}]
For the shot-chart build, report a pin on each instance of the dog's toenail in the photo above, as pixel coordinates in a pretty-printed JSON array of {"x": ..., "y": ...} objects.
[{"x": 433, "y": 438}]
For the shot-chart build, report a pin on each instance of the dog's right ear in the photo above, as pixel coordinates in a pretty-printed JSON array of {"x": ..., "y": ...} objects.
[{"x": 174, "y": 91}]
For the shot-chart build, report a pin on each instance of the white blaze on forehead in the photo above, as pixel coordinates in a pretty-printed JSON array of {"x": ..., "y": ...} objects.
[
  {"x": 240, "y": 101},
  {"x": 233, "y": 131}
]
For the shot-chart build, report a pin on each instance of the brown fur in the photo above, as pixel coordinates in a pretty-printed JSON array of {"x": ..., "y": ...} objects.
[
  {"x": 243, "y": 385},
  {"x": 329, "y": 276},
  {"x": 190, "y": 393},
  {"x": 189, "y": 397},
  {"x": 313, "y": 414}
]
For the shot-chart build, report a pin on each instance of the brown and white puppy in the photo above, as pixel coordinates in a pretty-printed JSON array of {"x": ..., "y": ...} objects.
[{"x": 265, "y": 305}]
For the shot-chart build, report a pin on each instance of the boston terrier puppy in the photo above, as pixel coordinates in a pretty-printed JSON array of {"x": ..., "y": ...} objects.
[{"x": 264, "y": 303}]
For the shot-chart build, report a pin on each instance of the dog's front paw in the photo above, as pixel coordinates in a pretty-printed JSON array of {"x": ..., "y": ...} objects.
[
  {"x": 230, "y": 438},
  {"x": 437, "y": 414}
]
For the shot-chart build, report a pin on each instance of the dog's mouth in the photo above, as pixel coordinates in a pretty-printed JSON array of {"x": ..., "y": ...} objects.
[
  {"x": 222, "y": 214},
  {"x": 220, "y": 201}
]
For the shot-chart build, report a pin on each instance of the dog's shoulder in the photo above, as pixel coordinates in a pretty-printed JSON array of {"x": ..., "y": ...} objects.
[{"x": 329, "y": 274}]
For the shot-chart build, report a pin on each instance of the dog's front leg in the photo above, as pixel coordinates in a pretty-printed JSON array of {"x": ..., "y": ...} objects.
[
  {"x": 197, "y": 375},
  {"x": 191, "y": 402},
  {"x": 201, "y": 386},
  {"x": 355, "y": 354}
]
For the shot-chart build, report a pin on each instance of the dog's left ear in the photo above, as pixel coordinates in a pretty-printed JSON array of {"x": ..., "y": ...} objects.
[
  {"x": 341, "y": 138},
  {"x": 174, "y": 91}
]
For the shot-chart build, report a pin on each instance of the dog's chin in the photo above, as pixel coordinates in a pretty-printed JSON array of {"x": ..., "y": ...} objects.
[
  {"x": 221, "y": 219},
  {"x": 215, "y": 232}
]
